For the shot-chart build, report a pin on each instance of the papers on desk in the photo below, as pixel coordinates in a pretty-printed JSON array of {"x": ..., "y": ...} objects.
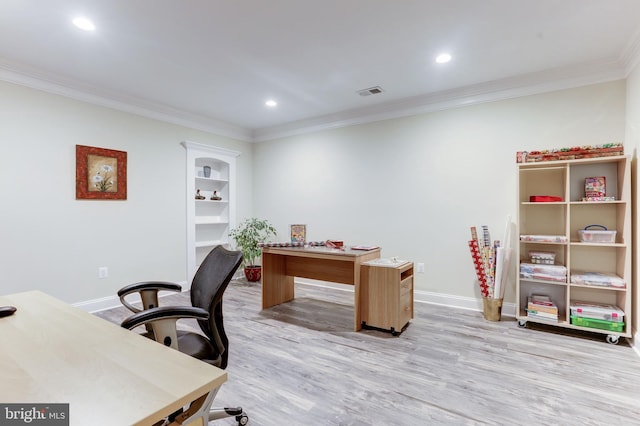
[
  {"x": 392, "y": 262},
  {"x": 364, "y": 248}
]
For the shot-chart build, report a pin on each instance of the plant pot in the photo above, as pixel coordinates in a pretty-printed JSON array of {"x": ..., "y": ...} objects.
[{"x": 253, "y": 273}]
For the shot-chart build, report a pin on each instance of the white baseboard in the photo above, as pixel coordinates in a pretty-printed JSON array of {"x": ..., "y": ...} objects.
[
  {"x": 109, "y": 302},
  {"x": 470, "y": 303},
  {"x": 459, "y": 302},
  {"x": 97, "y": 305},
  {"x": 508, "y": 309}
]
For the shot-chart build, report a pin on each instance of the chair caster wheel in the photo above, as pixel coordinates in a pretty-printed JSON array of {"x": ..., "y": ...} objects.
[{"x": 242, "y": 419}]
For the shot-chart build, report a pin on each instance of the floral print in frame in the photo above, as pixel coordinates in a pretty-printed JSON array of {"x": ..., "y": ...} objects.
[{"x": 101, "y": 174}]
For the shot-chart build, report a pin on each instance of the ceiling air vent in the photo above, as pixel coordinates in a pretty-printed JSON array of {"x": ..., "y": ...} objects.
[{"x": 370, "y": 91}]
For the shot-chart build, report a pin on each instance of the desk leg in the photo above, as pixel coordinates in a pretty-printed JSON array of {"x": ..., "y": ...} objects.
[
  {"x": 277, "y": 287},
  {"x": 357, "y": 313},
  {"x": 198, "y": 412}
]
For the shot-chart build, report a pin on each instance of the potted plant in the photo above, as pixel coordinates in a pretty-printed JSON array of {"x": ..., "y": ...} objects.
[{"x": 248, "y": 235}]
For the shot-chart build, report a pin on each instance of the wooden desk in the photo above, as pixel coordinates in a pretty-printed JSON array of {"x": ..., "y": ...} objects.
[
  {"x": 281, "y": 264},
  {"x": 55, "y": 353}
]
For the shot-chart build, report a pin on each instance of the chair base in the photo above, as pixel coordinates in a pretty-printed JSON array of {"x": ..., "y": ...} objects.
[{"x": 222, "y": 413}]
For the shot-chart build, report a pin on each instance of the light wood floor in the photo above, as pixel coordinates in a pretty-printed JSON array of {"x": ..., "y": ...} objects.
[{"x": 300, "y": 363}]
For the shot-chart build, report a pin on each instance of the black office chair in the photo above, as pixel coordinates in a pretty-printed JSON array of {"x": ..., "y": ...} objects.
[{"x": 207, "y": 288}]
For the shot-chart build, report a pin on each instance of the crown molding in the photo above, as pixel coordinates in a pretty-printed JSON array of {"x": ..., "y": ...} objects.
[
  {"x": 215, "y": 149},
  {"x": 606, "y": 70},
  {"x": 50, "y": 83},
  {"x": 630, "y": 56}
]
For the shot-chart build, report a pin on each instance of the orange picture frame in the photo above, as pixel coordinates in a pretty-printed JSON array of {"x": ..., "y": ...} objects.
[
  {"x": 101, "y": 174},
  {"x": 298, "y": 233}
]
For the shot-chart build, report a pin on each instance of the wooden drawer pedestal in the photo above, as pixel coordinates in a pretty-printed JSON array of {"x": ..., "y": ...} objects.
[{"x": 386, "y": 296}]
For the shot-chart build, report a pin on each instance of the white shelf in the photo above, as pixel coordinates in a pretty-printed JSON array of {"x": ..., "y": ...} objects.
[
  {"x": 208, "y": 221},
  {"x": 211, "y": 243},
  {"x": 205, "y": 179},
  {"x": 212, "y": 201}
]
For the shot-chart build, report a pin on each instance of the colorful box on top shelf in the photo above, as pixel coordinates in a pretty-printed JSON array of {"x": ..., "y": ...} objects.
[
  {"x": 573, "y": 153},
  {"x": 598, "y": 199},
  {"x": 595, "y": 186}
]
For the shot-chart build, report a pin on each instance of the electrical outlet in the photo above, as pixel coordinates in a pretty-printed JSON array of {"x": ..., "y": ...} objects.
[
  {"x": 420, "y": 268},
  {"x": 103, "y": 272}
]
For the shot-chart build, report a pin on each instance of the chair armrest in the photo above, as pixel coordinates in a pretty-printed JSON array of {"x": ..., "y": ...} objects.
[
  {"x": 163, "y": 321},
  {"x": 164, "y": 312},
  {"x": 148, "y": 291}
]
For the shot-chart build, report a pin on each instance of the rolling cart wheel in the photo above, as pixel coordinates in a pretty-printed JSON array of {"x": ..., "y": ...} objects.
[
  {"x": 394, "y": 332},
  {"x": 522, "y": 323},
  {"x": 242, "y": 419},
  {"x": 613, "y": 339}
]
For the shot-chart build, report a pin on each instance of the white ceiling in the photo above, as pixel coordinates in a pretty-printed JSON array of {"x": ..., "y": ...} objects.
[{"x": 211, "y": 64}]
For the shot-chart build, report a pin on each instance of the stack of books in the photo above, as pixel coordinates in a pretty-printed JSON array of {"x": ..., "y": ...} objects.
[{"x": 542, "y": 308}]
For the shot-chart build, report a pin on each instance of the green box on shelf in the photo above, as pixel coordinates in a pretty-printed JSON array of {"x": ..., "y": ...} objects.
[{"x": 598, "y": 323}]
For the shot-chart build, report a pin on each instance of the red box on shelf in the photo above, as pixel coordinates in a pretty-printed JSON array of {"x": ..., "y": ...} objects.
[{"x": 544, "y": 199}]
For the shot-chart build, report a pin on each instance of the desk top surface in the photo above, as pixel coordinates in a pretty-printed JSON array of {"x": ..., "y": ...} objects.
[
  {"x": 322, "y": 250},
  {"x": 53, "y": 352}
]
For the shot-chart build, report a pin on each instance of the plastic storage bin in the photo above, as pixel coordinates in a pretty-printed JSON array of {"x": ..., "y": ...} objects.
[
  {"x": 602, "y": 235},
  {"x": 594, "y": 310},
  {"x": 536, "y": 271},
  {"x": 599, "y": 324},
  {"x": 543, "y": 257},
  {"x": 600, "y": 279}
]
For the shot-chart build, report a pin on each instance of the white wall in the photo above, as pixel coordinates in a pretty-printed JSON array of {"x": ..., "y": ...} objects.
[
  {"x": 411, "y": 185},
  {"x": 633, "y": 143},
  {"x": 52, "y": 242},
  {"x": 415, "y": 185}
]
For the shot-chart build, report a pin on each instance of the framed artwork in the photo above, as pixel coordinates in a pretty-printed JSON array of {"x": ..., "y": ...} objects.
[
  {"x": 101, "y": 174},
  {"x": 298, "y": 233}
]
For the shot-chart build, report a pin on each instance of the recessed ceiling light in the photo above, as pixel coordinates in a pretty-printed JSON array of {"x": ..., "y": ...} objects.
[
  {"x": 443, "y": 58},
  {"x": 271, "y": 103},
  {"x": 84, "y": 23}
]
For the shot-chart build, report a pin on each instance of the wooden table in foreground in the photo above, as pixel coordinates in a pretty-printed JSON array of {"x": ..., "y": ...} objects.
[
  {"x": 281, "y": 264},
  {"x": 53, "y": 352}
]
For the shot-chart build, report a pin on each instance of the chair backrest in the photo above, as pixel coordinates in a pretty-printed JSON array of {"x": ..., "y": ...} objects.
[{"x": 207, "y": 288}]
